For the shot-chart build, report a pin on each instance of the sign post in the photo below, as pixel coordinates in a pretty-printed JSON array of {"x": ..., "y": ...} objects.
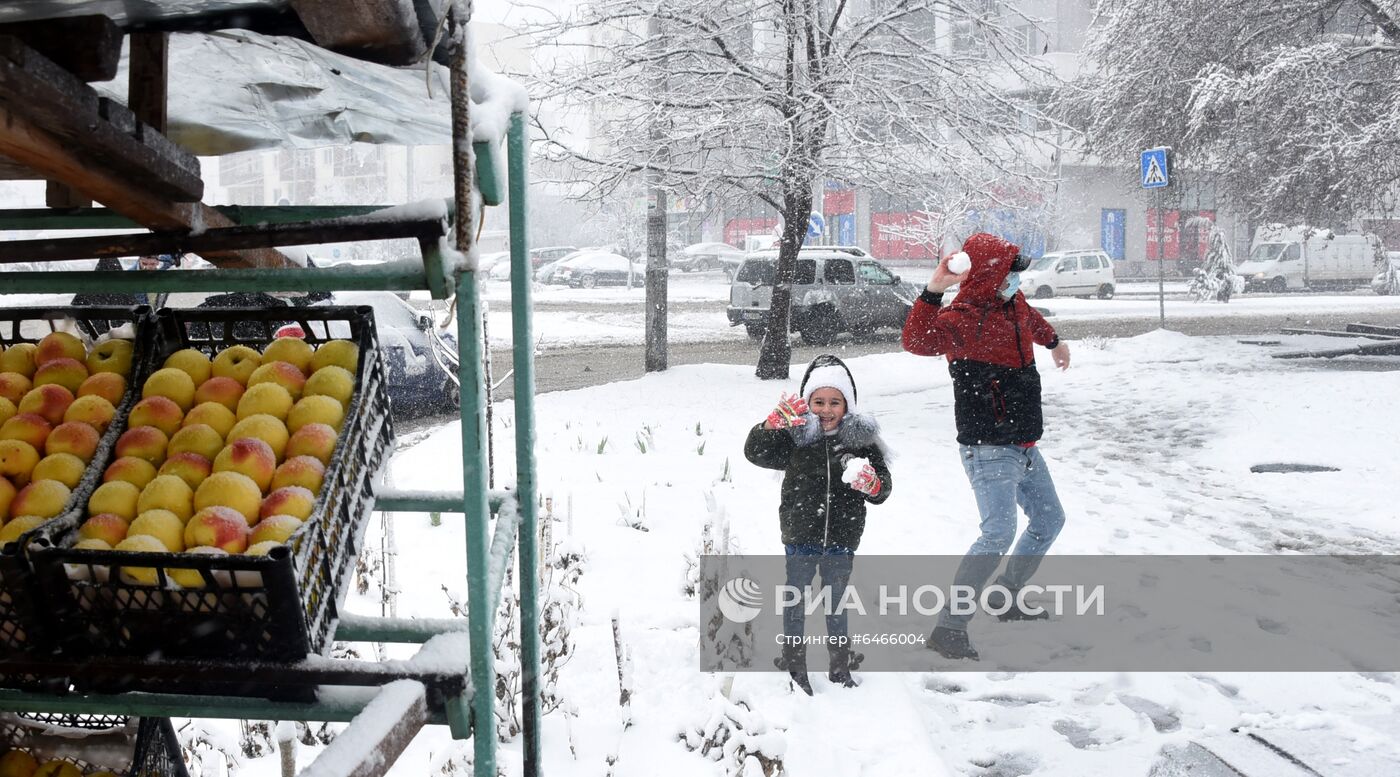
[{"x": 1156, "y": 174}]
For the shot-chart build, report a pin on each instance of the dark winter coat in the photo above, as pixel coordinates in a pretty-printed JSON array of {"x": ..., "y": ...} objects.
[
  {"x": 989, "y": 344},
  {"x": 817, "y": 507}
]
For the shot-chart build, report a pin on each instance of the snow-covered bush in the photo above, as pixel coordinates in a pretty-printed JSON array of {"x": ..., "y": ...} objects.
[
  {"x": 733, "y": 734},
  {"x": 1216, "y": 279}
]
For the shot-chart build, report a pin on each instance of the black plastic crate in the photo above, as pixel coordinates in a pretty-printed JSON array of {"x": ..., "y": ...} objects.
[
  {"x": 133, "y": 747},
  {"x": 25, "y": 627},
  {"x": 277, "y": 607}
]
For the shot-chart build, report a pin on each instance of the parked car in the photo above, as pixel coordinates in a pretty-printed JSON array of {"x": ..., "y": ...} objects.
[
  {"x": 833, "y": 291},
  {"x": 707, "y": 256},
  {"x": 546, "y": 254},
  {"x": 1070, "y": 273},
  {"x": 1387, "y": 281},
  {"x": 1283, "y": 258},
  {"x": 587, "y": 270}
]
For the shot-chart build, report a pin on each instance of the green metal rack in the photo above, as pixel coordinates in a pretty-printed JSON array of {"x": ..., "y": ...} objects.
[{"x": 453, "y": 703}]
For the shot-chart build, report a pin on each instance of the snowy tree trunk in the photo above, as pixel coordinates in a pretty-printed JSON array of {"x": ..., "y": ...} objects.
[{"x": 657, "y": 271}]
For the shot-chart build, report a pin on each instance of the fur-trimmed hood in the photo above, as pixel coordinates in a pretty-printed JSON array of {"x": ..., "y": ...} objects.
[{"x": 857, "y": 430}]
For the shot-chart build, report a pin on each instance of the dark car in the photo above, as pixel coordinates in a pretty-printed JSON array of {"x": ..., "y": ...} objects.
[{"x": 587, "y": 270}]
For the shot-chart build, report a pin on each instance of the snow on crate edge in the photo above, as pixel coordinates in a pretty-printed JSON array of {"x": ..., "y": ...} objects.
[{"x": 347, "y": 753}]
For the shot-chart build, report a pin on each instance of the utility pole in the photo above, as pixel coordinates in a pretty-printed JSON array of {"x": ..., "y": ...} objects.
[{"x": 657, "y": 269}]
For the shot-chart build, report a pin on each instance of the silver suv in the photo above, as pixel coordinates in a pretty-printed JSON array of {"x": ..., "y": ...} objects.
[{"x": 834, "y": 290}]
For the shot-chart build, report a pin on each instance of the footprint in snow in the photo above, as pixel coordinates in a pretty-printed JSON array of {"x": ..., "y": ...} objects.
[
  {"x": 1005, "y": 765},
  {"x": 1163, "y": 719}
]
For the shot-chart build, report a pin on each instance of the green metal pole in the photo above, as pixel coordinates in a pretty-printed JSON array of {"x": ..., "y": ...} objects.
[
  {"x": 524, "y": 362},
  {"x": 480, "y": 609}
]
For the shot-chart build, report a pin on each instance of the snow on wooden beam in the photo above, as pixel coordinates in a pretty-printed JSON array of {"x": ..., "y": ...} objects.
[
  {"x": 102, "y": 132},
  {"x": 384, "y": 31},
  {"x": 377, "y": 736},
  {"x": 89, "y": 47}
]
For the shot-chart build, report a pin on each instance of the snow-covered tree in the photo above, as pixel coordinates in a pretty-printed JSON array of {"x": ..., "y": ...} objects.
[
  {"x": 1291, "y": 102},
  {"x": 1216, "y": 278},
  {"x": 770, "y": 98}
]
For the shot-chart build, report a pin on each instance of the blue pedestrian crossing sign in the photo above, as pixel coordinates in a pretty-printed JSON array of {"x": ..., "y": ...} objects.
[{"x": 1155, "y": 172}]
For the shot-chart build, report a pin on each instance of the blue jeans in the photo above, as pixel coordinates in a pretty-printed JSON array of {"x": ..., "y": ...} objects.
[
  {"x": 803, "y": 562},
  {"x": 1002, "y": 477}
]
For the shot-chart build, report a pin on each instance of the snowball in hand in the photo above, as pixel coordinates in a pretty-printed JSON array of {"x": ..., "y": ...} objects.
[
  {"x": 853, "y": 467},
  {"x": 959, "y": 263}
]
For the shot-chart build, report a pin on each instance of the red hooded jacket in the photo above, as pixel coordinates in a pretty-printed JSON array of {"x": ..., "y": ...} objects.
[{"x": 989, "y": 345}]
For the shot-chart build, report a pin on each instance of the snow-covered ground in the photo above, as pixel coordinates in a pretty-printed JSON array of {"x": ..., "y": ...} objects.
[{"x": 1150, "y": 440}]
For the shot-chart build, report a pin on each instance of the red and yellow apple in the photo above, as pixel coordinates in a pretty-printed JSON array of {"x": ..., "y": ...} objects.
[
  {"x": 7, "y": 495},
  {"x": 59, "y": 345},
  {"x": 264, "y": 427},
  {"x": 218, "y": 527},
  {"x": 65, "y": 372},
  {"x": 143, "y": 442},
  {"x": 292, "y": 350},
  {"x": 305, "y": 471},
  {"x": 13, "y": 386},
  {"x": 274, "y": 528},
  {"x": 137, "y": 472},
  {"x": 108, "y": 527},
  {"x": 49, "y": 400},
  {"x": 26, "y": 427},
  {"x": 73, "y": 437},
  {"x": 283, "y": 374},
  {"x": 250, "y": 456},
  {"x": 108, "y": 385},
  {"x": 189, "y": 467},
  {"x": 17, "y": 459},
  {"x": 17, "y": 526},
  {"x": 44, "y": 498},
  {"x": 158, "y": 411},
  {"x": 111, "y": 356},
  {"x": 223, "y": 390},
  {"x": 288, "y": 500}
]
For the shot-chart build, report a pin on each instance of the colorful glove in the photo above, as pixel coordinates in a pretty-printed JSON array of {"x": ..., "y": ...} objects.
[
  {"x": 788, "y": 413},
  {"x": 867, "y": 482}
]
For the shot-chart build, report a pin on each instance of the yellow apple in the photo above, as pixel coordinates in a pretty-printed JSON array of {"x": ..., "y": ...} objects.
[
  {"x": 196, "y": 438},
  {"x": 141, "y": 543},
  {"x": 233, "y": 490},
  {"x": 193, "y": 362},
  {"x": 264, "y": 427},
  {"x": 117, "y": 497},
  {"x": 274, "y": 528},
  {"x": 112, "y": 356},
  {"x": 316, "y": 410},
  {"x": 63, "y": 467},
  {"x": 92, "y": 410},
  {"x": 341, "y": 353},
  {"x": 17, "y": 763},
  {"x": 7, "y": 409},
  {"x": 58, "y": 345},
  {"x": 17, "y": 459},
  {"x": 293, "y": 350},
  {"x": 158, "y": 411},
  {"x": 164, "y": 525},
  {"x": 237, "y": 362},
  {"x": 19, "y": 358},
  {"x": 191, "y": 578},
  {"x": 265, "y": 398},
  {"x": 15, "y": 527},
  {"x": 214, "y": 415},
  {"x": 13, "y": 386},
  {"x": 331, "y": 381},
  {"x": 7, "y": 495},
  {"x": 137, "y": 472},
  {"x": 167, "y": 492},
  {"x": 65, "y": 372},
  {"x": 172, "y": 383}
]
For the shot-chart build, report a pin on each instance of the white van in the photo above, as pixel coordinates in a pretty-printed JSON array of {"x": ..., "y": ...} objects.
[
  {"x": 1069, "y": 273},
  {"x": 1281, "y": 259},
  {"x": 1387, "y": 281}
]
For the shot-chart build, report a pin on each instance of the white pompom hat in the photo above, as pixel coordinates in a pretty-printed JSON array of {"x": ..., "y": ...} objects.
[{"x": 827, "y": 371}]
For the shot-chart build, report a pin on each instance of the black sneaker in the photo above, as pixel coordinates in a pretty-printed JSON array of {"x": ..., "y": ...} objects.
[
  {"x": 794, "y": 660},
  {"x": 951, "y": 643},
  {"x": 996, "y": 600}
]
